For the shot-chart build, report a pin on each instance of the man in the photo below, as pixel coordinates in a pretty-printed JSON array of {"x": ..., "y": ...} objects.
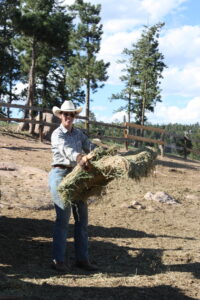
[{"x": 68, "y": 145}]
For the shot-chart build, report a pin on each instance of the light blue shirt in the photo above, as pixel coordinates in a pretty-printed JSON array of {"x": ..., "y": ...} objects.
[{"x": 67, "y": 145}]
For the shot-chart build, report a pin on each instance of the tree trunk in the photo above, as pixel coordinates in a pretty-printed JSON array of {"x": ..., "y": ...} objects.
[
  {"x": 10, "y": 96},
  {"x": 31, "y": 93},
  {"x": 129, "y": 109},
  {"x": 44, "y": 90},
  {"x": 31, "y": 85},
  {"x": 143, "y": 110},
  {"x": 144, "y": 103},
  {"x": 10, "y": 89},
  {"x": 87, "y": 105}
]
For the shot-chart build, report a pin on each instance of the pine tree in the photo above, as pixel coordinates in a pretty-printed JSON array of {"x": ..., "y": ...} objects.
[
  {"x": 86, "y": 43},
  {"x": 151, "y": 65},
  {"x": 39, "y": 25},
  {"x": 9, "y": 69},
  {"x": 131, "y": 83},
  {"x": 143, "y": 74}
]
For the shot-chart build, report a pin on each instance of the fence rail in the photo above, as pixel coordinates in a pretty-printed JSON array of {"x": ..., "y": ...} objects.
[
  {"x": 29, "y": 121},
  {"x": 150, "y": 128},
  {"x": 144, "y": 139}
]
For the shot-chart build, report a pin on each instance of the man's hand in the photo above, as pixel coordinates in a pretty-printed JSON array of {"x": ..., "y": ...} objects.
[{"x": 83, "y": 161}]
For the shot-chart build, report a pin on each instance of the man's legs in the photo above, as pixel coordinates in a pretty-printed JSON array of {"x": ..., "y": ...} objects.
[
  {"x": 62, "y": 216},
  {"x": 60, "y": 233},
  {"x": 80, "y": 212}
]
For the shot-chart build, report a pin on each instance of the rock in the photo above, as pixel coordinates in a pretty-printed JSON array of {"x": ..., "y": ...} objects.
[
  {"x": 4, "y": 166},
  {"x": 192, "y": 197},
  {"x": 148, "y": 196},
  {"x": 161, "y": 197},
  {"x": 136, "y": 205}
]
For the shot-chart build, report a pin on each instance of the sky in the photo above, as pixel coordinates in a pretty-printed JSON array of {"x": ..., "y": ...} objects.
[{"x": 179, "y": 42}]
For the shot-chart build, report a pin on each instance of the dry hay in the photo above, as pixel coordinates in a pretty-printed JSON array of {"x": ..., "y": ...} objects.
[{"x": 105, "y": 165}]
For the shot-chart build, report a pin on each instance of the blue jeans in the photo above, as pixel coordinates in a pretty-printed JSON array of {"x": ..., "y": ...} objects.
[{"x": 80, "y": 213}]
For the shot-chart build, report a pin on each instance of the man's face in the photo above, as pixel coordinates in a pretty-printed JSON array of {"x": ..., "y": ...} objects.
[{"x": 67, "y": 119}]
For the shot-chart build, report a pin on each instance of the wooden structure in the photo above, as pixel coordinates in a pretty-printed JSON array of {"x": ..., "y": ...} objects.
[{"x": 125, "y": 137}]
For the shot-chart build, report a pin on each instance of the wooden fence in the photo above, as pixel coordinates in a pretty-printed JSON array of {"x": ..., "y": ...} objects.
[
  {"x": 144, "y": 139},
  {"x": 40, "y": 111},
  {"x": 125, "y": 137}
]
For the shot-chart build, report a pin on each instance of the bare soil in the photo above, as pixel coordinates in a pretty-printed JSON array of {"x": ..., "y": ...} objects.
[{"x": 150, "y": 253}]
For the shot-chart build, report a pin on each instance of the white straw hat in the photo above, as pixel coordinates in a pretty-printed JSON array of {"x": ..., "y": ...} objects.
[{"x": 66, "y": 106}]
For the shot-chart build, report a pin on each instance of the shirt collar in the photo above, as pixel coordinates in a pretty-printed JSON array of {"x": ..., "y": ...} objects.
[{"x": 64, "y": 130}]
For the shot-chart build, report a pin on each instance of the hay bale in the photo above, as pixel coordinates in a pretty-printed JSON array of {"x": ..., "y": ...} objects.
[{"x": 105, "y": 165}]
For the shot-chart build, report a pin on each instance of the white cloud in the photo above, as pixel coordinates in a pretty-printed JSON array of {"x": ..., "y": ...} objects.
[
  {"x": 111, "y": 51},
  {"x": 120, "y": 25},
  {"x": 114, "y": 45},
  {"x": 98, "y": 108},
  {"x": 157, "y": 9},
  {"x": 182, "y": 57},
  {"x": 182, "y": 81},
  {"x": 134, "y": 11},
  {"x": 181, "y": 45},
  {"x": 123, "y": 9},
  {"x": 164, "y": 114},
  {"x": 116, "y": 117}
]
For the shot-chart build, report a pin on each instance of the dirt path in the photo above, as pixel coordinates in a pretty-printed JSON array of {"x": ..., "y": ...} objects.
[{"x": 150, "y": 253}]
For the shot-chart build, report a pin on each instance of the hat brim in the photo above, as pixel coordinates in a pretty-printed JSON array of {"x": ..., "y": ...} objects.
[{"x": 56, "y": 110}]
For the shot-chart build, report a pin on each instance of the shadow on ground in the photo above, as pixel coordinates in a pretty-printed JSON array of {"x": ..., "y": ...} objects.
[
  {"x": 177, "y": 165},
  {"x": 22, "y": 148},
  {"x": 59, "y": 292},
  {"x": 25, "y": 252}
]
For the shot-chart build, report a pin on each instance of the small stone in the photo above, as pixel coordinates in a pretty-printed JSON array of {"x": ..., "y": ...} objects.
[
  {"x": 148, "y": 196},
  {"x": 164, "y": 198},
  {"x": 136, "y": 205}
]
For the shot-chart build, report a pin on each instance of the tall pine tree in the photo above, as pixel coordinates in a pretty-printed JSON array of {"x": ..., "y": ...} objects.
[
  {"x": 86, "y": 43},
  {"x": 143, "y": 74},
  {"x": 39, "y": 25},
  {"x": 9, "y": 68}
]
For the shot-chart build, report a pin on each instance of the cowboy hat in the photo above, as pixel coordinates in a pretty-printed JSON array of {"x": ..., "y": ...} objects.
[{"x": 66, "y": 106}]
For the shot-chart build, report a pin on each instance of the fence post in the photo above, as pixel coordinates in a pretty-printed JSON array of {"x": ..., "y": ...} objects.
[
  {"x": 162, "y": 147},
  {"x": 126, "y": 134}
]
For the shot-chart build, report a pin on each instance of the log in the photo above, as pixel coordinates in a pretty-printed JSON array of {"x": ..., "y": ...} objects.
[{"x": 105, "y": 165}]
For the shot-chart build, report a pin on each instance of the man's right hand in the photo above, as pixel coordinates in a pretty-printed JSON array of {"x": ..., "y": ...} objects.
[{"x": 83, "y": 161}]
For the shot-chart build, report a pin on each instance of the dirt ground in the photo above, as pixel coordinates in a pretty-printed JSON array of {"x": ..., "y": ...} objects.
[{"x": 149, "y": 253}]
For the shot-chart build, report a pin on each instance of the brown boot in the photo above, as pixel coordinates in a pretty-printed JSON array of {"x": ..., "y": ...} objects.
[{"x": 86, "y": 265}]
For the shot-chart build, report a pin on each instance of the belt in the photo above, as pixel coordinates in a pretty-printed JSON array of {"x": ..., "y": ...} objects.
[{"x": 62, "y": 167}]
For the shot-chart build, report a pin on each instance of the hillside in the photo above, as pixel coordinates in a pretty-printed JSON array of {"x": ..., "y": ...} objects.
[{"x": 146, "y": 250}]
